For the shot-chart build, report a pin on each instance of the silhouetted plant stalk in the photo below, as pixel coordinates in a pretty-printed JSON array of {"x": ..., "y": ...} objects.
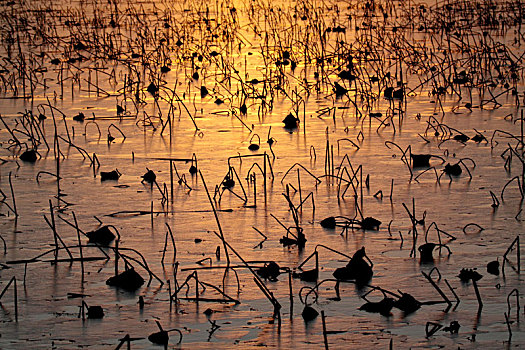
[
  {"x": 517, "y": 294},
  {"x": 15, "y": 294},
  {"x": 55, "y": 233},
  {"x": 515, "y": 245},
  {"x": 436, "y": 287},
  {"x": 166, "y": 246},
  {"x": 325, "y": 338},
  {"x": 257, "y": 280},
  {"x": 216, "y": 219}
]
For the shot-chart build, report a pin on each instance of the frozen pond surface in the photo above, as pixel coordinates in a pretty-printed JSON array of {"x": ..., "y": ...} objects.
[{"x": 129, "y": 69}]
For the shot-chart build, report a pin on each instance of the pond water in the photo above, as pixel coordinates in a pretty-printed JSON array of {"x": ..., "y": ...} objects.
[{"x": 162, "y": 84}]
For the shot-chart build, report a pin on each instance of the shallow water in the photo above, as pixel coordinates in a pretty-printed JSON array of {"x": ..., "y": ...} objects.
[{"x": 48, "y": 318}]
